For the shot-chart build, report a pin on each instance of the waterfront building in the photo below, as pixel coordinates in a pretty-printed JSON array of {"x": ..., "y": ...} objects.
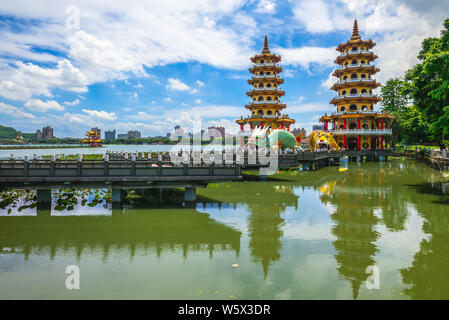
[
  {"x": 110, "y": 135},
  {"x": 46, "y": 133},
  {"x": 317, "y": 127},
  {"x": 38, "y": 134},
  {"x": 265, "y": 105},
  {"x": 355, "y": 123},
  {"x": 122, "y": 136},
  {"x": 134, "y": 134}
]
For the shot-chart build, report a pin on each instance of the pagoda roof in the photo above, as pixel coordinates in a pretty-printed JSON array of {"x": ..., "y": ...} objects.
[
  {"x": 265, "y": 53},
  {"x": 356, "y": 39}
]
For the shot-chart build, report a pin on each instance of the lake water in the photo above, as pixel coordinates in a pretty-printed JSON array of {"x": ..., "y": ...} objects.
[{"x": 298, "y": 235}]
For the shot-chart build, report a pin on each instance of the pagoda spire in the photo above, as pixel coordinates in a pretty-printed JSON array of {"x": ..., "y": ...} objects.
[
  {"x": 265, "y": 46},
  {"x": 355, "y": 31}
]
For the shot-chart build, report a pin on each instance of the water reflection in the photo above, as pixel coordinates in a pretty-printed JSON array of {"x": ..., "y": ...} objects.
[{"x": 365, "y": 203}]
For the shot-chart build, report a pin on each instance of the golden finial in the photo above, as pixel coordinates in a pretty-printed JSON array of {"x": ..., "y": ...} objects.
[
  {"x": 265, "y": 46},
  {"x": 355, "y": 31}
]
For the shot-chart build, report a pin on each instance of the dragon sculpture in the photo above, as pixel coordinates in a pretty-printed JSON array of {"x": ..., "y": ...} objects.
[
  {"x": 274, "y": 139},
  {"x": 319, "y": 139}
]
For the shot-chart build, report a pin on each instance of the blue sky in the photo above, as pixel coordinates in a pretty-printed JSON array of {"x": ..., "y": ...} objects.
[{"x": 151, "y": 65}]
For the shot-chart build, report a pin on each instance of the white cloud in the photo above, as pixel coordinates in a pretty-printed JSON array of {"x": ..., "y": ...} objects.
[
  {"x": 305, "y": 56},
  {"x": 14, "y": 111},
  {"x": 103, "y": 115},
  {"x": 168, "y": 99},
  {"x": 41, "y": 106},
  {"x": 266, "y": 6},
  {"x": 28, "y": 80},
  {"x": 72, "y": 103},
  {"x": 199, "y": 83},
  {"x": 198, "y": 101},
  {"x": 176, "y": 84}
]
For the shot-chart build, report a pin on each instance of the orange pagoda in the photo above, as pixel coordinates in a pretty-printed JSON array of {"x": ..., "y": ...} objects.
[
  {"x": 265, "y": 94},
  {"x": 93, "y": 138},
  {"x": 355, "y": 124}
]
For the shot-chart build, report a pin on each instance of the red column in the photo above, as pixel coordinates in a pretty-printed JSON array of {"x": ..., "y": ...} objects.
[
  {"x": 382, "y": 123},
  {"x": 344, "y": 141},
  {"x": 381, "y": 142},
  {"x": 359, "y": 142},
  {"x": 261, "y": 125},
  {"x": 325, "y": 125},
  {"x": 251, "y": 125},
  {"x": 344, "y": 137},
  {"x": 358, "y": 123},
  {"x": 344, "y": 124}
]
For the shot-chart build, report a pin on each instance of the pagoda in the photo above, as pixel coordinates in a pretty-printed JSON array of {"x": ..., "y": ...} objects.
[
  {"x": 355, "y": 123},
  {"x": 265, "y": 94},
  {"x": 93, "y": 138}
]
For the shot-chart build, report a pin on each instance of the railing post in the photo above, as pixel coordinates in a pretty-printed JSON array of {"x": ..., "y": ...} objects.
[
  {"x": 159, "y": 165},
  {"x": 25, "y": 166},
  {"x": 106, "y": 165},
  {"x": 185, "y": 169},
  {"x": 133, "y": 164},
  {"x": 211, "y": 169},
  {"x": 52, "y": 166},
  {"x": 79, "y": 169}
]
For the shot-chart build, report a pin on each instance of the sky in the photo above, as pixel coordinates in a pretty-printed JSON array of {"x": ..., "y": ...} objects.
[{"x": 150, "y": 65}]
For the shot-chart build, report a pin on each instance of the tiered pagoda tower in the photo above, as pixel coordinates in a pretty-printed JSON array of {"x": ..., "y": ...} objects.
[
  {"x": 266, "y": 106},
  {"x": 355, "y": 124}
]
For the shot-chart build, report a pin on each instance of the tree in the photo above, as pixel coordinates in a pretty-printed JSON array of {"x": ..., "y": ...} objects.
[{"x": 429, "y": 83}]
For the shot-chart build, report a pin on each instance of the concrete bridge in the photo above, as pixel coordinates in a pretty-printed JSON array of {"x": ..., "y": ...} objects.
[{"x": 146, "y": 173}]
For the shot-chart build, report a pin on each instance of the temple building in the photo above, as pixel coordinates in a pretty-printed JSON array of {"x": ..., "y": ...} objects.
[
  {"x": 265, "y": 94},
  {"x": 355, "y": 123}
]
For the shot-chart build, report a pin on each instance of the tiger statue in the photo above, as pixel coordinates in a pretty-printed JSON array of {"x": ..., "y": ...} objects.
[{"x": 319, "y": 140}]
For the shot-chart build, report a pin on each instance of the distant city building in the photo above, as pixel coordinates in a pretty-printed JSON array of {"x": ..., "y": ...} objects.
[
  {"x": 318, "y": 127},
  {"x": 122, "y": 136},
  {"x": 216, "y": 132},
  {"x": 45, "y": 134},
  {"x": 134, "y": 134},
  {"x": 298, "y": 131},
  {"x": 110, "y": 135}
]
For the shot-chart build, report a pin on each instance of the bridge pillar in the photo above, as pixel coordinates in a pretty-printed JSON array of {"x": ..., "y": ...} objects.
[
  {"x": 43, "y": 196},
  {"x": 190, "y": 194},
  {"x": 117, "y": 196}
]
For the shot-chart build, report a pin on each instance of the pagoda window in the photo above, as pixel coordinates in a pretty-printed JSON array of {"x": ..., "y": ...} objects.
[
  {"x": 343, "y": 93},
  {"x": 353, "y": 107},
  {"x": 363, "y": 76},
  {"x": 354, "y": 62},
  {"x": 371, "y": 107},
  {"x": 365, "y": 126},
  {"x": 275, "y": 99},
  {"x": 260, "y": 98},
  {"x": 353, "y": 91},
  {"x": 260, "y": 112},
  {"x": 354, "y": 76},
  {"x": 362, "y": 62},
  {"x": 352, "y": 126},
  {"x": 345, "y": 77},
  {"x": 261, "y": 85},
  {"x": 261, "y": 73},
  {"x": 268, "y": 72},
  {"x": 261, "y": 61},
  {"x": 268, "y": 98},
  {"x": 269, "y": 112},
  {"x": 363, "y": 91},
  {"x": 342, "y": 109},
  {"x": 277, "y": 113},
  {"x": 364, "y": 108},
  {"x": 341, "y": 127},
  {"x": 269, "y": 85},
  {"x": 355, "y": 49},
  {"x": 346, "y": 63}
]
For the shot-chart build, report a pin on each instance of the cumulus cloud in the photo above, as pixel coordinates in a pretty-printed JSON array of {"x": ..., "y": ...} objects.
[
  {"x": 176, "y": 84},
  {"x": 103, "y": 115},
  {"x": 72, "y": 103},
  {"x": 41, "y": 106},
  {"x": 27, "y": 80},
  {"x": 14, "y": 111},
  {"x": 305, "y": 56}
]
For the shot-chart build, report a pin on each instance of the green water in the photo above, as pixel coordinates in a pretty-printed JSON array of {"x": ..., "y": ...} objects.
[{"x": 299, "y": 235}]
